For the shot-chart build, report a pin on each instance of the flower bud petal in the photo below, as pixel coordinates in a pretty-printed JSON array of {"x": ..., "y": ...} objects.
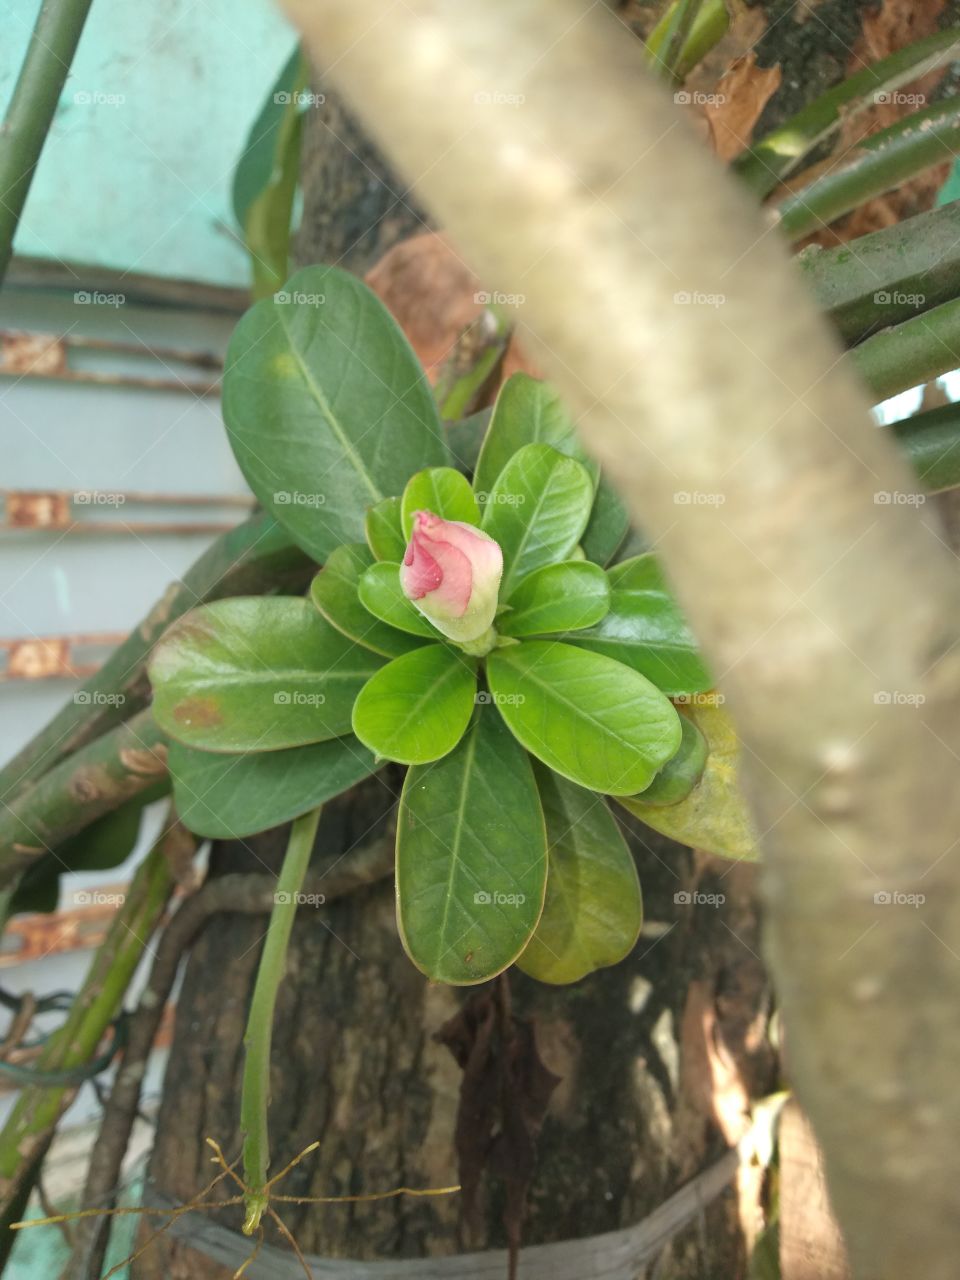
[{"x": 451, "y": 572}]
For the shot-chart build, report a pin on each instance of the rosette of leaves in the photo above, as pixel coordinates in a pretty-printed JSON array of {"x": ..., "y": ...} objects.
[{"x": 507, "y": 851}]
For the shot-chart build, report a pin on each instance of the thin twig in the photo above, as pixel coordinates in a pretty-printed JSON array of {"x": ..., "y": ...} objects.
[{"x": 236, "y": 894}]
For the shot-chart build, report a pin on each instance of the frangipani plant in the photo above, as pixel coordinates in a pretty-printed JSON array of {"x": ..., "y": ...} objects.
[{"x": 465, "y": 625}]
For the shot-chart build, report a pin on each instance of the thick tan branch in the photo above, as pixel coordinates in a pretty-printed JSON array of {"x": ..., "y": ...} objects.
[{"x": 706, "y": 382}]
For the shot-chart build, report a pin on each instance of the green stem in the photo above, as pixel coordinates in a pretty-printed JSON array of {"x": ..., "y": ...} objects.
[
  {"x": 38, "y": 1108},
  {"x": 880, "y": 163},
  {"x": 254, "y": 558},
  {"x": 35, "y": 96},
  {"x": 768, "y": 161},
  {"x": 889, "y": 276},
  {"x": 912, "y": 353},
  {"x": 931, "y": 442},
  {"x": 255, "y": 1098},
  {"x": 95, "y": 780},
  {"x": 708, "y": 26}
]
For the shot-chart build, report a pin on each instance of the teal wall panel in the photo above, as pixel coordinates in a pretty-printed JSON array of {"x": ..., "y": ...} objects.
[{"x": 137, "y": 168}]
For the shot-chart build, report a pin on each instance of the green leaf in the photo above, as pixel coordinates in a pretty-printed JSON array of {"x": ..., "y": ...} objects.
[
  {"x": 714, "y": 817},
  {"x": 537, "y": 511},
  {"x": 229, "y": 797},
  {"x": 267, "y": 177},
  {"x": 258, "y": 159},
  {"x": 104, "y": 844},
  {"x": 384, "y": 531},
  {"x": 327, "y": 408},
  {"x": 465, "y": 438},
  {"x": 441, "y": 490},
  {"x": 680, "y": 775},
  {"x": 558, "y": 597},
  {"x": 382, "y": 594},
  {"x": 594, "y": 721},
  {"x": 417, "y": 708},
  {"x": 527, "y": 411},
  {"x": 471, "y": 857},
  {"x": 256, "y": 674},
  {"x": 608, "y": 526},
  {"x": 593, "y": 909},
  {"x": 335, "y": 593},
  {"x": 645, "y": 630}
]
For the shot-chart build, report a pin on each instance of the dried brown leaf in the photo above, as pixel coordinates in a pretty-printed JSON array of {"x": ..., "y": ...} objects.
[{"x": 737, "y": 103}]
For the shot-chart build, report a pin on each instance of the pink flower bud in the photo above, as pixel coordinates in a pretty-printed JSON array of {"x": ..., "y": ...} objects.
[{"x": 451, "y": 572}]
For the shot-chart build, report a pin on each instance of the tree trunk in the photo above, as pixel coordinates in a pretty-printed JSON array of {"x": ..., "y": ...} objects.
[{"x": 657, "y": 1058}]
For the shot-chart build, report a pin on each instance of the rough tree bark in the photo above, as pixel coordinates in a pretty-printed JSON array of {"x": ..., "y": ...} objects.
[
  {"x": 791, "y": 582},
  {"x": 658, "y": 1057}
]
